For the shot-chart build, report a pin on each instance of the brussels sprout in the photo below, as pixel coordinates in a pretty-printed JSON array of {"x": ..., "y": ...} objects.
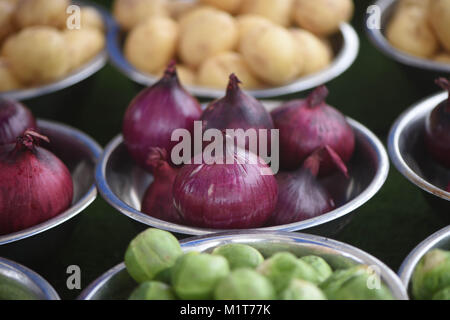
[
  {"x": 282, "y": 267},
  {"x": 444, "y": 294},
  {"x": 240, "y": 255},
  {"x": 244, "y": 284},
  {"x": 150, "y": 253},
  {"x": 355, "y": 283},
  {"x": 321, "y": 267},
  {"x": 302, "y": 290},
  {"x": 432, "y": 274},
  {"x": 152, "y": 290},
  {"x": 195, "y": 275}
]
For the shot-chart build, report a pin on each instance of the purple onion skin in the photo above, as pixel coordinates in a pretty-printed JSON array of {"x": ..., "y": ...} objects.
[
  {"x": 35, "y": 186},
  {"x": 15, "y": 118},
  {"x": 437, "y": 129},
  {"x": 225, "y": 196},
  {"x": 155, "y": 113},
  {"x": 308, "y": 124}
]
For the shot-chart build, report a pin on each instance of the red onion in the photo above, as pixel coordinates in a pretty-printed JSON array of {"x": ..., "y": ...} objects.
[
  {"x": 155, "y": 113},
  {"x": 437, "y": 129},
  {"x": 35, "y": 185},
  {"x": 15, "y": 118},
  {"x": 238, "y": 110},
  {"x": 158, "y": 197},
  {"x": 300, "y": 195},
  {"x": 226, "y": 196},
  {"x": 308, "y": 124},
  {"x": 448, "y": 188}
]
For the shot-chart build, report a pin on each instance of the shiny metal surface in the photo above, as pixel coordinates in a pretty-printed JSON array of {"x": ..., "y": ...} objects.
[
  {"x": 408, "y": 153},
  {"x": 440, "y": 239},
  {"x": 20, "y": 283},
  {"x": 80, "y": 153},
  {"x": 345, "y": 44},
  {"x": 122, "y": 184},
  {"x": 117, "y": 284},
  {"x": 387, "y": 8},
  {"x": 76, "y": 76}
]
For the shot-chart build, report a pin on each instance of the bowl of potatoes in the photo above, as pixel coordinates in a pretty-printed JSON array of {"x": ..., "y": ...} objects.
[
  {"x": 276, "y": 47},
  {"x": 47, "y": 46},
  {"x": 415, "y": 33}
]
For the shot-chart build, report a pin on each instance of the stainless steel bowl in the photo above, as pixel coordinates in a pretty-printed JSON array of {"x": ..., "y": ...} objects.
[
  {"x": 408, "y": 154},
  {"x": 122, "y": 184},
  {"x": 345, "y": 45},
  {"x": 76, "y": 76},
  {"x": 20, "y": 283},
  {"x": 80, "y": 154},
  {"x": 440, "y": 239},
  {"x": 117, "y": 284},
  {"x": 387, "y": 9}
]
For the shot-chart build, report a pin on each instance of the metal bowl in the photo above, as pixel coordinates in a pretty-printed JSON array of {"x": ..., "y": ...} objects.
[
  {"x": 76, "y": 76},
  {"x": 122, "y": 184},
  {"x": 345, "y": 45},
  {"x": 80, "y": 154},
  {"x": 20, "y": 283},
  {"x": 440, "y": 239},
  {"x": 386, "y": 9},
  {"x": 407, "y": 152},
  {"x": 117, "y": 284}
]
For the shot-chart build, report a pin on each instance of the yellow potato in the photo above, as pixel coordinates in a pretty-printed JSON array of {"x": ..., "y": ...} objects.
[
  {"x": 6, "y": 19},
  {"x": 322, "y": 17},
  {"x": 151, "y": 45},
  {"x": 90, "y": 18},
  {"x": 442, "y": 57},
  {"x": 231, "y": 6},
  {"x": 410, "y": 32},
  {"x": 439, "y": 15},
  {"x": 216, "y": 70},
  {"x": 37, "y": 55},
  {"x": 205, "y": 32},
  {"x": 277, "y": 11},
  {"x": 249, "y": 22},
  {"x": 41, "y": 13},
  {"x": 177, "y": 8},
  {"x": 83, "y": 45},
  {"x": 315, "y": 53},
  {"x": 271, "y": 53},
  {"x": 130, "y": 13},
  {"x": 8, "y": 81}
]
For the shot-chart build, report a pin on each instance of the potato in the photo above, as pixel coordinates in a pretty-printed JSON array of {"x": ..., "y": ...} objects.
[
  {"x": 271, "y": 53},
  {"x": 277, "y": 11},
  {"x": 152, "y": 44},
  {"x": 315, "y": 53},
  {"x": 177, "y": 8},
  {"x": 216, "y": 70},
  {"x": 6, "y": 19},
  {"x": 130, "y": 13},
  {"x": 442, "y": 57},
  {"x": 439, "y": 16},
  {"x": 248, "y": 22},
  {"x": 8, "y": 81},
  {"x": 410, "y": 32},
  {"x": 90, "y": 18},
  {"x": 205, "y": 32},
  {"x": 231, "y": 6},
  {"x": 83, "y": 45},
  {"x": 322, "y": 17},
  {"x": 37, "y": 55},
  {"x": 41, "y": 13}
]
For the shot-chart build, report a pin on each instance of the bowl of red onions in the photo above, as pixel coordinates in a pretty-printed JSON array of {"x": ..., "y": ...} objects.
[
  {"x": 419, "y": 146},
  {"x": 46, "y": 169},
  {"x": 302, "y": 165}
]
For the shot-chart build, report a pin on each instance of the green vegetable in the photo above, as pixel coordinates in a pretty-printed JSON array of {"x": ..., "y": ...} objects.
[
  {"x": 443, "y": 294},
  {"x": 152, "y": 290},
  {"x": 150, "y": 253},
  {"x": 240, "y": 255},
  {"x": 195, "y": 275},
  {"x": 356, "y": 283},
  {"x": 282, "y": 267},
  {"x": 432, "y": 274},
  {"x": 302, "y": 290},
  {"x": 321, "y": 267},
  {"x": 244, "y": 284}
]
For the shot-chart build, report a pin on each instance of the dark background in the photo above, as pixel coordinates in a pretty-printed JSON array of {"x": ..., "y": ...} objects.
[{"x": 374, "y": 91}]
